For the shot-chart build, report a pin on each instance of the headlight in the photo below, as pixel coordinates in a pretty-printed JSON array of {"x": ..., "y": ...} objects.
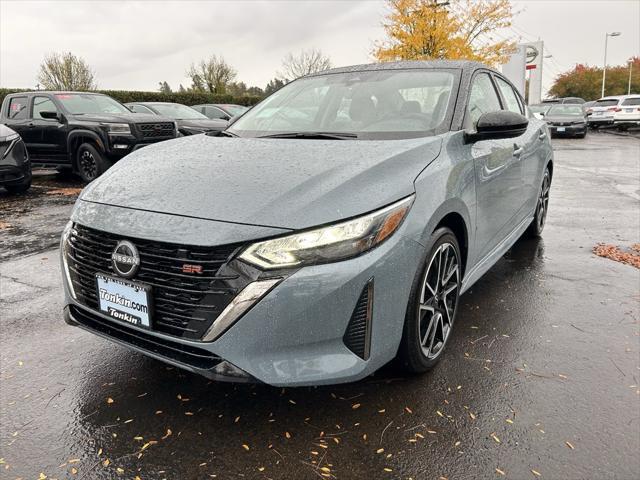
[
  {"x": 66, "y": 233},
  {"x": 118, "y": 128},
  {"x": 329, "y": 244}
]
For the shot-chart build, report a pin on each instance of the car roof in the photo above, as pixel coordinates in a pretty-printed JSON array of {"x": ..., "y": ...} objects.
[
  {"x": 153, "y": 103},
  {"x": 56, "y": 92},
  {"x": 407, "y": 64}
]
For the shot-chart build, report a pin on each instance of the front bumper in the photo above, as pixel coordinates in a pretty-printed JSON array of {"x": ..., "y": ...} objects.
[
  {"x": 120, "y": 145},
  {"x": 294, "y": 335},
  {"x": 568, "y": 129}
]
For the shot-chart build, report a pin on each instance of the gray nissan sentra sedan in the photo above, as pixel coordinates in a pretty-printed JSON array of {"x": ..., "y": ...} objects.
[{"x": 329, "y": 230}]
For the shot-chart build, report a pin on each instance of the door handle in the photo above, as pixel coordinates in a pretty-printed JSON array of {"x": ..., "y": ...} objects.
[
  {"x": 517, "y": 151},
  {"x": 542, "y": 135}
]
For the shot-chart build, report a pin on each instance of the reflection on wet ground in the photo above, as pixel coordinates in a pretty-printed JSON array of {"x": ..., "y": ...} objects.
[{"x": 541, "y": 373}]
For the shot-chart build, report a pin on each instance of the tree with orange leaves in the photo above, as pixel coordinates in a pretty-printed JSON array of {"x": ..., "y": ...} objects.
[{"x": 453, "y": 29}]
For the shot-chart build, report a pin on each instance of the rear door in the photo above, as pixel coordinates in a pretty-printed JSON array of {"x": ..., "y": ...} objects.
[
  {"x": 16, "y": 117},
  {"x": 497, "y": 166}
]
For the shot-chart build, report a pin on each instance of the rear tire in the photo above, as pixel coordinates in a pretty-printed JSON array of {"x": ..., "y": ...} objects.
[
  {"x": 542, "y": 207},
  {"x": 90, "y": 162},
  {"x": 19, "y": 188},
  {"x": 432, "y": 304}
]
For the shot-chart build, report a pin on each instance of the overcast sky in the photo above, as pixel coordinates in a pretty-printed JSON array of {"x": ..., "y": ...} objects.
[{"x": 134, "y": 45}]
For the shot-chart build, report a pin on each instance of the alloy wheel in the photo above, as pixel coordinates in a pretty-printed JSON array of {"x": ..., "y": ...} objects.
[
  {"x": 543, "y": 202},
  {"x": 88, "y": 164},
  {"x": 438, "y": 300}
]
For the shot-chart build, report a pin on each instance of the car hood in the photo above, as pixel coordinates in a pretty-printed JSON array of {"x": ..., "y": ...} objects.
[
  {"x": 123, "y": 118},
  {"x": 282, "y": 183},
  {"x": 204, "y": 124}
]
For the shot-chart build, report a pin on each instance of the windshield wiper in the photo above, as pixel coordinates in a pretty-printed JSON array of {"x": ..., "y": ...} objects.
[{"x": 313, "y": 135}]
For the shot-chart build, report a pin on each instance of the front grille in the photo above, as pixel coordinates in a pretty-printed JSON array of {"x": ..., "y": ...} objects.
[
  {"x": 184, "y": 304},
  {"x": 185, "y": 354},
  {"x": 156, "y": 130},
  {"x": 357, "y": 337}
]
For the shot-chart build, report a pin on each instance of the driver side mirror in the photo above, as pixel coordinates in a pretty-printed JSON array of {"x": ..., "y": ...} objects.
[
  {"x": 496, "y": 125},
  {"x": 50, "y": 115}
]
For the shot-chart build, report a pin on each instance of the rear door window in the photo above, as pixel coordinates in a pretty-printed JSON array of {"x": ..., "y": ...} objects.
[
  {"x": 510, "y": 97},
  {"x": 17, "y": 108}
]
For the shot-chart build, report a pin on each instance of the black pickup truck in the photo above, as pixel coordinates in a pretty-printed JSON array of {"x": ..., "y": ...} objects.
[{"x": 82, "y": 131}]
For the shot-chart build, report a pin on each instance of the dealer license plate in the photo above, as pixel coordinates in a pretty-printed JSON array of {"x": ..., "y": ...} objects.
[
  {"x": 628, "y": 110},
  {"x": 124, "y": 300},
  {"x": 599, "y": 113},
  {"x": 561, "y": 129}
]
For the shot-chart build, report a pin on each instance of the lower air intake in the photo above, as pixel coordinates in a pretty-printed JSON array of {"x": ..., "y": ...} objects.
[{"x": 357, "y": 337}]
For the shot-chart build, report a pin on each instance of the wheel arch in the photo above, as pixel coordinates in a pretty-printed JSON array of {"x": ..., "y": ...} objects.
[
  {"x": 455, "y": 222},
  {"x": 77, "y": 138}
]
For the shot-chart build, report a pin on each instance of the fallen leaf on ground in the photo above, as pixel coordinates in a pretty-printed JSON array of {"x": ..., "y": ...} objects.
[
  {"x": 66, "y": 192},
  {"x": 613, "y": 252}
]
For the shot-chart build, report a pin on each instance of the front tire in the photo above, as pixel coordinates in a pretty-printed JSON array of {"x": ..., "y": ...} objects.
[
  {"x": 432, "y": 304},
  {"x": 90, "y": 162},
  {"x": 542, "y": 207},
  {"x": 23, "y": 187}
]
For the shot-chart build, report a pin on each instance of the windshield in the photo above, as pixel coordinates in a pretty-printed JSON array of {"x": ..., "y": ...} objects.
[
  {"x": 539, "y": 108},
  {"x": 632, "y": 101},
  {"x": 177, "y": 111},
  {"x": 235, "y": 110},
  {"x": 368, "y": 104},
  {"x": 566, "y": 109},
  {"x": 85, "y": 103},
  {"x": 610, "y": 102}
]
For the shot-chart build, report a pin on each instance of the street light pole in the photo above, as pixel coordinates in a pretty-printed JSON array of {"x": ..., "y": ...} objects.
[
  {"x": 604, "y": 68},
  {"x": 629, "y": 87}
]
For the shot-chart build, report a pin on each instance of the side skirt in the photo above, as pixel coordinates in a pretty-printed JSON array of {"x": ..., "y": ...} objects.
[{"x": 494, "y": 255}]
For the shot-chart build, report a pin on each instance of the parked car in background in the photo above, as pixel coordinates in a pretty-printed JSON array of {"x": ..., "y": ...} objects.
[
  {"x": 601, "y": 113},
  {"x": 81, "y": 131},
  {"x": 540, "y": 109},
  {"x": 564, "y": 100},
  {"x": 627, "y": 113},
  {"x": 220, "y": 111},
  {"x": 566, "y": 119},
  {"x": 318, "y": 237},
  {"x": 588, "y": 105},
  {"x": 15, "y": 167},
  {"x": 189, "y": 121}
]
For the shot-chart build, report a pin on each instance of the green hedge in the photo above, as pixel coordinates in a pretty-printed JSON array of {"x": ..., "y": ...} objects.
[{"x": 186, "y": 98}]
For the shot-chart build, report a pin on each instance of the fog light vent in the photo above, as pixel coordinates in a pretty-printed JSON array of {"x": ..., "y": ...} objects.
[{"x": 357, "y": 337}]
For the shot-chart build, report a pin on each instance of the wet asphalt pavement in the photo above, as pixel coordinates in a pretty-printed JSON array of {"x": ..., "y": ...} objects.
[{"x": 540, "y": 379}]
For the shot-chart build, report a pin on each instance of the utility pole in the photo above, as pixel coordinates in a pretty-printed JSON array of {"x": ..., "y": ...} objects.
[{"x": 604, "y": 67}]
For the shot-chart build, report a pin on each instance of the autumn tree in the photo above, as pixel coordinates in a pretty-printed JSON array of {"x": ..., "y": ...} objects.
[
  {"x": 211, "y": 75},
  {"x": 586, "y": 82},
  {"x": 455, "y": 29},
  {"x": 65, "y": 71},
  {"x": 304, "y": 63}
]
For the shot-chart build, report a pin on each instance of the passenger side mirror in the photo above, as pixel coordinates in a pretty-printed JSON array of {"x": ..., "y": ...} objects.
[
  {"x": 50, "y": 115},
  {"x": 542, "y": 114},
  {"x": 496, "y": 125}
]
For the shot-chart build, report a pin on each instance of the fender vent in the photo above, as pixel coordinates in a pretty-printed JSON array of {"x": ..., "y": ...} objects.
[{"x": 357, "y": 337}]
